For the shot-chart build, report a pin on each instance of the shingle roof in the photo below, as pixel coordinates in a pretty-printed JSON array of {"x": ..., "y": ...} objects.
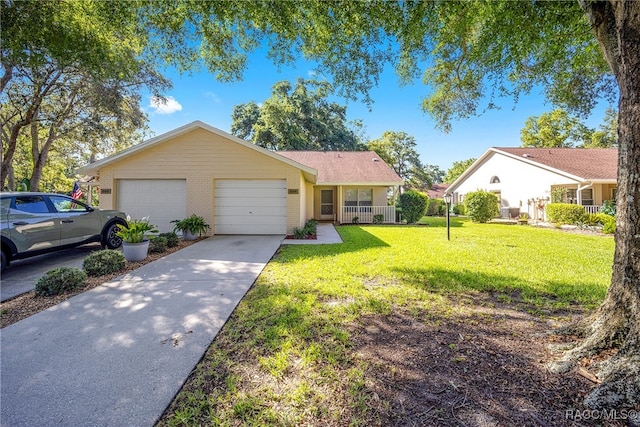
[
  {"x": 587, "y": 163},
  {"x": 346, "y": 167}
]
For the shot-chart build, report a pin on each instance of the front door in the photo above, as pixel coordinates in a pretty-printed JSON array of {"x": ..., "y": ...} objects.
[{"x": 326, "y": 205}]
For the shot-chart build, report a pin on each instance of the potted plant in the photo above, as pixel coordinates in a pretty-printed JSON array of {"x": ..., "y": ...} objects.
[
  {"x": 135, "y": 238},
  {"x": 191, "y": 227},
  {"x": 523, "y": 219}
]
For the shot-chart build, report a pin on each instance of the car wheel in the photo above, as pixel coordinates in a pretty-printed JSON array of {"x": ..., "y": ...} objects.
[
  {"x": 109, "y": 239},
  {"x": 5, "y": 260}
]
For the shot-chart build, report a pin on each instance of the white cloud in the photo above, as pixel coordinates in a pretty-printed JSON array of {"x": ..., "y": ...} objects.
[{"x": 167, "y": 106}]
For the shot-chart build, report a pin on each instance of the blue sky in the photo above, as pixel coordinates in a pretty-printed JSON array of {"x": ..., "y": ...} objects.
[{"x": 397, "y": 108}]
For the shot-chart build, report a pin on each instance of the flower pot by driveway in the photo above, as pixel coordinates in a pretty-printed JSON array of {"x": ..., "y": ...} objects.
[
  {"x": 187, "y": 235},
  {"x": 135, "y": 252}
]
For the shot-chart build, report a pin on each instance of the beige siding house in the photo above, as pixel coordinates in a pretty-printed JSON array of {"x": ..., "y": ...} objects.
[
  {"x": 525, "y": 178},
  {"x": 238, "y": 187}
]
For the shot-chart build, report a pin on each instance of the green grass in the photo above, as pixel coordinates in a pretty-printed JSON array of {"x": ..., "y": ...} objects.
[{"x": 284, "y": 357}]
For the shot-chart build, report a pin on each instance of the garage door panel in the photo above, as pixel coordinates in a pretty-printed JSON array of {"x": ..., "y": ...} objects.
[
  {"x": 250, "y": 183},
  {"x": 250, "y": 202},
  {"x": 261, "y": 210},
  {"x": 250, "y": 207},
  {"x": 162, "y": 200}
]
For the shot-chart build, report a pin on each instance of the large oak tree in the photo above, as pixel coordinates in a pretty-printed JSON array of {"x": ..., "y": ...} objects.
[{"x": 578, "y": 52}]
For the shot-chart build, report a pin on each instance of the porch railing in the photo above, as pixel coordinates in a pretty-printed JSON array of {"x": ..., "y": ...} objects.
[
  {"x": 592, "y": 209},
  {"x": 367, "y": 214}
]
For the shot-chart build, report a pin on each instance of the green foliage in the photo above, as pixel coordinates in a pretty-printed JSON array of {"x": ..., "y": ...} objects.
[
  {"x": 60, "y": 280},
  {"x": 172, "y": 239},
  {"x": 436, "y": 207},
  {"x": 481, "y": 206},
  {"x": 194, "y": 224},
  {"x": 459, "y": 209},
  {"x": 103, "y": 262},
  {"x": 398, "y": 150},
  {"x": 564, "y": 213},
  {"x": 558, "y": 194},
  {"x": 608, "y": 222},
  {"x": 136, "y": 230},
  {"x": 413, "y": 205},
  {"x": 457, "y": 169},
  {"x": 608, "y": 207},
  {"x": 378, "y": 219},
  {"x": 296, "y": 118},
  {"x": 309, "y": 229},
  {"x": 158, "y": 245},
  {"x": 555, "y": 129}
]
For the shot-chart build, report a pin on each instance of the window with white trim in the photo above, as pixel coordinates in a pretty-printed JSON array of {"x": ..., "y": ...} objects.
[{"x": 359, "y": 197}]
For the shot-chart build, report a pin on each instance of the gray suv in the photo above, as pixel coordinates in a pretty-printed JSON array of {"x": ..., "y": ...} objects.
[{"x": 36, "y": 223}]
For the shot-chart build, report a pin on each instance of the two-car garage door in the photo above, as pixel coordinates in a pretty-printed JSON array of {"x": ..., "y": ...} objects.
[
  {"x": 250, "y": 207},
  {"x": 241, "y": 206}
]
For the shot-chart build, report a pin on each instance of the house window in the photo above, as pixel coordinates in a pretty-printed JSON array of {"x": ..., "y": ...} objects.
[
  {"x": 614, "y": 191},
  {"x": 586, "y": 195},
  {"x": 494, "y": 180},
  {"x": 362, "y": 198}
]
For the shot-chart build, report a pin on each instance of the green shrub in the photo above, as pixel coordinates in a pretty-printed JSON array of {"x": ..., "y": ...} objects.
[
  {"x": 564, "y": 213},
  {"x": 609, "y": 227},
  {"x": 608, "y": 207},
  {"x": 60, "y": 280},
  {"x": 172, "y": 239},
  {"x": 459, "y": 210},
  {"x": 311, "y": 227},
  {"x": 158, "y": 245},
  {"x": 378, "y": 219},
  {"x": 436, "y": 207},
  {"x": 299, "y": 233},
  {"x": 413, "y": 205},
  {"x": 102, "y": 262},
  {"x": 481, "y": 206}
]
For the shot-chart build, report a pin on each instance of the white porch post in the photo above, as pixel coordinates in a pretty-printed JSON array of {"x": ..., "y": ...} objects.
[{"x": 340, "y": 204}]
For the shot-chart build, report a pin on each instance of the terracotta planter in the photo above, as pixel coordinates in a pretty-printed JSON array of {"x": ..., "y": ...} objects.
[{"x": 135, "y": 252}]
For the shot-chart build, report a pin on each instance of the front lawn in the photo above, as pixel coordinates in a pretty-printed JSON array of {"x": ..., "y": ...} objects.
[{"x": 400, "y": 326}]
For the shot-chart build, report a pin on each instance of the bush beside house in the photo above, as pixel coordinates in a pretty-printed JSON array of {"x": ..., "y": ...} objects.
[
  {"x": 564, "y": 213},
  {"x": 481, "y": 206},
  {"x": 414, "y": 205}
]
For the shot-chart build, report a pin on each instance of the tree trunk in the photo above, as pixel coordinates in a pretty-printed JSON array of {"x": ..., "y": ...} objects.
[{"x": 616, "y": 324}]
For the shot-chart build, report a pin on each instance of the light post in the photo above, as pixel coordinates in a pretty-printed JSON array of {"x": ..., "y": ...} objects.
[{"x": 447, "y": 202}]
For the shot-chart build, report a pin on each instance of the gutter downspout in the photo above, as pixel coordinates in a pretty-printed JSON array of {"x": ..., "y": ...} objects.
[{"x": 586, "y": 187}]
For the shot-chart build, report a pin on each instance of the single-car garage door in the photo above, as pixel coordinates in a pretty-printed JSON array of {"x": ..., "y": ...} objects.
[
  {"x": 163, "y": 200},
  {"x": 250, "y": 207}
]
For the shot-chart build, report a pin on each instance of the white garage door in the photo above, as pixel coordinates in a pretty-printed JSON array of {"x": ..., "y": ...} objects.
[
  {"x": 163, "y": 200},
  {"x": 250, "y": 207}
]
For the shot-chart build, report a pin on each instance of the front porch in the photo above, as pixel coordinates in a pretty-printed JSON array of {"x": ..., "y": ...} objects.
[{"x": 368, "y": 214}]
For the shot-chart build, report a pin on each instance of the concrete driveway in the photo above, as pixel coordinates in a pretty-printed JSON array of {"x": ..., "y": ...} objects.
[
  {"x": 117, "y": 355},
  {"x": 21, "y": 275}
]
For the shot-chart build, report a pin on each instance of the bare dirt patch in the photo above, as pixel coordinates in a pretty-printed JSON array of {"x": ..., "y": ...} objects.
[
  {"x": 484, "y": 365},
  {"x": 28, "y": 304}
]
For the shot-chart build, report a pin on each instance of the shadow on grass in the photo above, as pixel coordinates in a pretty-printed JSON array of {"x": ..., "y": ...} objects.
[
  {"x": 437, "y": 221},
  {"x": 354, "y": 238},
  {"x": 555, "y": 294}
]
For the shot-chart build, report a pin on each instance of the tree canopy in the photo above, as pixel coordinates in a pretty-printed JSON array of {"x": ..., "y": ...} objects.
[
  {"x": 398, "y": 150},
  {"x": 560, "y": 129},
  {"x": 457, "y": 169},
  {"x": 299, "y": 117}
]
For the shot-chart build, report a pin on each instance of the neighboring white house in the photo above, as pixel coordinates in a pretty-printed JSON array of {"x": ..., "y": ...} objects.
[{"x": 524, "y": 178}]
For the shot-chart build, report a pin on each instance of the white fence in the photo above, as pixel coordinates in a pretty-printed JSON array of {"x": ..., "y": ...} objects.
[
  {"x": 369, "y": 214},
  {"x": 592, "y": 209}
]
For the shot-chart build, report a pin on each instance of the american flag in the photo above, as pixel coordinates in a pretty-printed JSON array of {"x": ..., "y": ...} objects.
[{"x": 77, "y": 192}]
